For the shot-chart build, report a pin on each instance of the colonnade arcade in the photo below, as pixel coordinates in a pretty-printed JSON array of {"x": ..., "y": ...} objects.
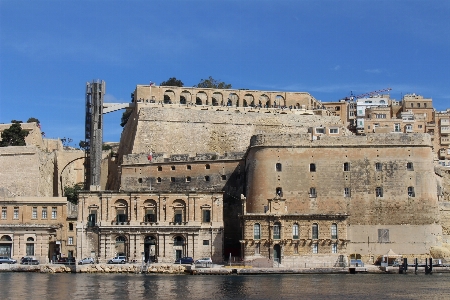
[
  {"x": 162, "y": 245},
  {"x": 224, "y": 97}
]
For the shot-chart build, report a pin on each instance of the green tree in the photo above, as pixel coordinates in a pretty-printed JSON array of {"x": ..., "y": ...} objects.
[
  {"x": 172, "y": 82},
  {"x": 31, "y": 120},
  {"x": 72, "y": 192},
  {"x": 125, "y": 116},
  {"x": 13, "y": 136},
  {"x": 213, "y": 84},
  {"x": 82, "y": 145}
]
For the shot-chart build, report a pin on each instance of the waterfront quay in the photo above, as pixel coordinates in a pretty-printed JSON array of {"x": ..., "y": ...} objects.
[{"x": 214, "y": 269}]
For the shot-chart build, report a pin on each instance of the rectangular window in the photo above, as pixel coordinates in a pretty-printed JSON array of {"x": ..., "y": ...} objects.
[
  {"x": 315, "y": 231},
  {"x": 383, "y": 235},
  {"x": 410, "y": 166},
  {"x": 70, "y": 240},
  {"x": 205, "y": 242},
  {"x": 312, "y": 167},
  {"x": 295, "y": 248},
  {"x": 315, "y": 248},
  {"x": 378, "y": 166},
  {"x": 346, "y": 166},
  {"x": 256, "y": 231},
  {"x": 16, "y": 213},
  {"x": 295, "y": 231},
  {"x": 320, "y": 130},
  {"x": 150, "y": 215},
  {"x": 54, "y": 212},
  {"x": 397, "y": 127},
  {"x": 379, "y": 192},
  {"x": 206, "y": 216},
  {"x": 334, "y": 248},
  {"x": 334, "y": 233},
  {"x": 334, "y": 130},
  {"x": 347, "y": 192},
  {"x": 4, "y": 213},
  {"x": 411, "y": 191},
  {"x": 92, "y": 218},
  {"x": 44, "y": 213},
  {"x": 276, "y": 232},
  {"x": 178, "y": 216},
  {"x": 34, "y": 213},
  {"x": 312, "y": 193},
  {"x": 278, "y": 167}
]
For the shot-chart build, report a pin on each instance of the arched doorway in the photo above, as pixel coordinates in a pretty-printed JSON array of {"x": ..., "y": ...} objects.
[
  {"x": 121, "y": 246},
  {"x": 178, "y": 246},
  {"x": 277, "y": 253},
  {"x": 30, "y": 246},
  {"x": 150, "y": 249},
  {"x": 5, "y": 245}
]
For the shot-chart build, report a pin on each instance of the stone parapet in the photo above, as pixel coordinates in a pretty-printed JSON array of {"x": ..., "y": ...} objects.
[
  {"x": 143, "y": 158},
  {"x": 378, "y": 140}
]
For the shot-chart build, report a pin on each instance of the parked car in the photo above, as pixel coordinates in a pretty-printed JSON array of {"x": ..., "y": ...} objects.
[
  {"x": 185, "y": 260},
  {"x": 86, "y": 260},
  {"x": 204, "y": 260},
  {"x": 118, "y": 260},
  {"x": 66, "y": 260},
  {"x": 29, "y": 260},
  {"x": 7, "y": 260}
]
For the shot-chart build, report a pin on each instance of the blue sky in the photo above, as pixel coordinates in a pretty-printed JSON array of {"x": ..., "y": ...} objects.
[{"x": 50, "y": 49}]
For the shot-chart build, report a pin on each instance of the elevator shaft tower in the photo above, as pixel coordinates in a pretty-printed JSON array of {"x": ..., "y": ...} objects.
[{"x": 93, "y": 138}]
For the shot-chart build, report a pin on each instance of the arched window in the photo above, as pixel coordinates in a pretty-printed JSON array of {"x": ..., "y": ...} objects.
[
  {"x": 276, "y": 231},
  {"x": 295, "y": 231},
  {"x": 150, "y": 211},
  {"x": 179, "y": 211},
  {"x": 121, "y": 245},
  {"x": 257, "y": 231},
  {"x": 121, "y": 211},
  {"x": 178, "y": 241},
  {"x": 334, "y": 233},
  {"x": 315, "y": 231}
]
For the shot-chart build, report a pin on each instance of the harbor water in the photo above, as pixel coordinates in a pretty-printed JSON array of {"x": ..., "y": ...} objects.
[{"x": 139, "y": 286}]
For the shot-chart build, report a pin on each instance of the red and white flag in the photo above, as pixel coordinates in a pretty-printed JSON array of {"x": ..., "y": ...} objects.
[
  {"x": 150, "y": 156},
  {"x": 152, "y": 83}
]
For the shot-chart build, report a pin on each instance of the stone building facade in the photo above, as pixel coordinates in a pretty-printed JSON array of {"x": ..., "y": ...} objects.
[
  {"x": 319, "y": 199},
  {"x": 36, "y": 226},
  {"x": 150, "y": 226}
]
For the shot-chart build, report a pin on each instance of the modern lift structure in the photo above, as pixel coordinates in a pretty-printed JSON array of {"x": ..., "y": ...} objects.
[{"x": 95, "y": 108}]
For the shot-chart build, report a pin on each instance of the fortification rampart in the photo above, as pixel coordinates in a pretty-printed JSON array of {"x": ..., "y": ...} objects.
[
  {"x": 180, "y": 130},
  {"x": 26, "y": 171}
]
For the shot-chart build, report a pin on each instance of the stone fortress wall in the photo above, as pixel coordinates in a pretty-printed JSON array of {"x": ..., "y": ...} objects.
[
  {"x": 40, "y": 168},
  {"x": 404, "y": 161}
]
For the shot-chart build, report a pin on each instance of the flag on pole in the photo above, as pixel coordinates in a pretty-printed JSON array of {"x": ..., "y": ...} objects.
[
  {"x": 150, "y": 156},
  {"x": 152, "y": 83}
]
